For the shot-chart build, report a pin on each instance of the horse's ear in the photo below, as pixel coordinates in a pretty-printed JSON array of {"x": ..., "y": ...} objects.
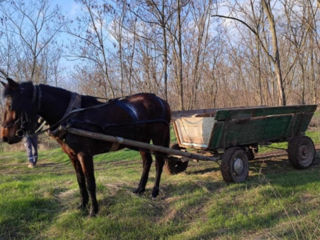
[{"x": 12, "y": 84}]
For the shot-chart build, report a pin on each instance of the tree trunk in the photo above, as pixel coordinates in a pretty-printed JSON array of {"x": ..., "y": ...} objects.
[
  {"x": 277, "y": 64},
  {"x": 180, "y": 57}
]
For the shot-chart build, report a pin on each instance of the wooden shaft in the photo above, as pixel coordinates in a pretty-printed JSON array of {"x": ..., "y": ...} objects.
[{"x": 132, "y": 143}]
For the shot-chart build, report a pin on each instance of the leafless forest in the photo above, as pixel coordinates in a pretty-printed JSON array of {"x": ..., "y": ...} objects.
[{"x": 195, "y": 53}]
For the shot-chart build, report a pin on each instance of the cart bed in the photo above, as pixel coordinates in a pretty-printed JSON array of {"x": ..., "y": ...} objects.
[{"x": 213, "y": 129}]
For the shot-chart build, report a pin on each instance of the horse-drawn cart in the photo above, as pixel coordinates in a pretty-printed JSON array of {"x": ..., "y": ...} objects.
[
  {"x": 232, "y": 136},
  {"x": 229, "y": 135}
]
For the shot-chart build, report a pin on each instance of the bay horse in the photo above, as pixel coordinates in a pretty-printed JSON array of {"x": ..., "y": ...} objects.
[{"x": 143, "y": 117}]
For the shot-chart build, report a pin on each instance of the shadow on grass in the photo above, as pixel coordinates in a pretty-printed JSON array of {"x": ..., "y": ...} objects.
[
  {"x": 176, "y": 204},
  {"x": 26, "y": 218},
  {"x": 202, "y": 171},
  {"x": 270, "y": 165}
]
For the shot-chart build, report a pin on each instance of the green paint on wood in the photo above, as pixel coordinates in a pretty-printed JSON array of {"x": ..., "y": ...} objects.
[
  {"x": 241, "y": 113},
  {"x": 249, "y": 126}
]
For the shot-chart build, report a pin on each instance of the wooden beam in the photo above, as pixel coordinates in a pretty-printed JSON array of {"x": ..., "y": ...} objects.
[{"x": 132, "y": 143}]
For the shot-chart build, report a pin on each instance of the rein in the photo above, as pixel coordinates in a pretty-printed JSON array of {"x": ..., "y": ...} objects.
[{"x": 54, "y": 127}]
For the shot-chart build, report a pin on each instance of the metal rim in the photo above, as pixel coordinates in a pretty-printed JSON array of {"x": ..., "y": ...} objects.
[
  {"x": 306, "y": 153},
  {"x": 238, "y": 166}
]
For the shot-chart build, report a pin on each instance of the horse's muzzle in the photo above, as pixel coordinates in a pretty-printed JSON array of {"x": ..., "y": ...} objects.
[{"x": 10, "y": 138}]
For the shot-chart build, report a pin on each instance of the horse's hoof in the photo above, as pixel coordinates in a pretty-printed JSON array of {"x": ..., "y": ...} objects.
[
  {"x": 82, "y": 207},
  {"x": 155, "y": 192},
  {"x": 93, "y": 212},
  {"x": 139, "y": 190}
]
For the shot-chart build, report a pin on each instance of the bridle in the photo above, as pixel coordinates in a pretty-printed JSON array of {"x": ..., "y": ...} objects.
[
  {"x": 73, "y": 107},
  {"x": 25, "y": 122}
]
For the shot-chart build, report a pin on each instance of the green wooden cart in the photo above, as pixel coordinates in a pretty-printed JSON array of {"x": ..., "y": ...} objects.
[{"x": 233, "y": 135}]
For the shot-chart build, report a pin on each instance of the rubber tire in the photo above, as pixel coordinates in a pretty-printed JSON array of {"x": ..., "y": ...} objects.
[
  {"x": 175, "y": 165},
  {"x": 301, "y": 152},
  {"x": 227, "y": 166}
]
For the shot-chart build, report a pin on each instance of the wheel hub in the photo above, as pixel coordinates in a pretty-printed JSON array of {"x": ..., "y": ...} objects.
[
  {"x": 304, "y": 152},
  {"x": 238, "y": 166}
]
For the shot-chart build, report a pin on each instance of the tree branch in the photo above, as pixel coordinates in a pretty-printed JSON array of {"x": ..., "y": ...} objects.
[{"x": 251, "y": 29}]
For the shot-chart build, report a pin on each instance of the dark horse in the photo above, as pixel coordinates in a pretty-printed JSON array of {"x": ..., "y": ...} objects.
[{"x": 142, "y": 117}]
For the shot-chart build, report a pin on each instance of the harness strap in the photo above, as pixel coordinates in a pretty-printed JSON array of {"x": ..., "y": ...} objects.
[
  {"x": 74, "y": 103},
  {"x": 34, "y": 94},
  {"x": 129, "y": 108},
  {"x": 114, "y": 147},
  {"x": 39, "y": 129},
  {"x": 75, "y": 107}
]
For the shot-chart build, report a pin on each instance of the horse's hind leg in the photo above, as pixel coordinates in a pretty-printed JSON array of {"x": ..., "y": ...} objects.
[
  {"x": 146, "y": 161},
  {"x": 86, "y": 162},
  {"x": 159, "y": 167}
]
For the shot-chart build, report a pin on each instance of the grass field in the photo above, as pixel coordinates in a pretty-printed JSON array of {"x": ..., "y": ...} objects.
[{"x": 277, "y": 201}]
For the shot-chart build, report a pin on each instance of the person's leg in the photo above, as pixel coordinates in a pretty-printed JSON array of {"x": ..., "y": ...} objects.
[
  {"x": 34, "y": 140},
  {"x": 28, "y": 145}
]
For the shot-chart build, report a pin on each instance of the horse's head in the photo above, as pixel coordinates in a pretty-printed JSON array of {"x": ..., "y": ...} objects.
[{"x": 19, "y": 113}]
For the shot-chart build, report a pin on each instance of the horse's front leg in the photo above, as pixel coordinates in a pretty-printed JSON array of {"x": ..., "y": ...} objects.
[
  {"x": 81, "y": 181},
  {"x": 79, "y": 173},
  {"x": 86, "y": 162}
]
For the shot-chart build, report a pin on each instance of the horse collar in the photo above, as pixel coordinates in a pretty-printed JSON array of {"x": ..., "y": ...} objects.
[{"x": 74, "y": 103}]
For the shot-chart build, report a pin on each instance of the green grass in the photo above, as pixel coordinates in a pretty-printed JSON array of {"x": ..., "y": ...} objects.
[{"x": 276, "y": 202}]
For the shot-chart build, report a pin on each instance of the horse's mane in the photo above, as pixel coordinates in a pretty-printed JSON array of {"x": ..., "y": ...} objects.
[{"x": 86, "y": 99}]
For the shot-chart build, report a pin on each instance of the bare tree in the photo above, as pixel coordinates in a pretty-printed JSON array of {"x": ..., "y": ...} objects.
[
  {"x": 34, "y": 26},
  {"x": 274, "y": 56},
  {"x": 200, "y": 13},
  {"x": 180, "y": 76},
  {"x": 158, "y": 13},
  {"x": 91, "y": 40}
]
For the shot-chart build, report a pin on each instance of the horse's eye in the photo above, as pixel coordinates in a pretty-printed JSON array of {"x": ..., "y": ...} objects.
[
  {"x": 9, "y": 107},
  {"x": 9, "y": 103}
]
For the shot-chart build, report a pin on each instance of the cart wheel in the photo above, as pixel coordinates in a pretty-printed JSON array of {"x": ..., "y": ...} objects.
[
  {"x": 301, "y": 152},
  {"x": 234, "y": 166},
  {"x": 175, "y": 165}
]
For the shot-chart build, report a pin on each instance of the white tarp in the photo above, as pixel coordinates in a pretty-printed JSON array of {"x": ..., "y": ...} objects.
[{"x": 194, "y": 131}]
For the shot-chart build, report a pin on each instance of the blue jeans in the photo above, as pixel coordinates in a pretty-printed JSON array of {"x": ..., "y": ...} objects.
[{"x": 31, "y": 144}]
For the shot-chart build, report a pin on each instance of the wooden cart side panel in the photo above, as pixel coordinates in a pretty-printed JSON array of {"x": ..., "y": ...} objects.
[
  {"x": 216, "y": 136},
  {"x": 301, "y": 123},
  {"x": 176, "y": 132},
  {"x": 228, "y": 114},
  {"x": 253, "y": 131}
]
